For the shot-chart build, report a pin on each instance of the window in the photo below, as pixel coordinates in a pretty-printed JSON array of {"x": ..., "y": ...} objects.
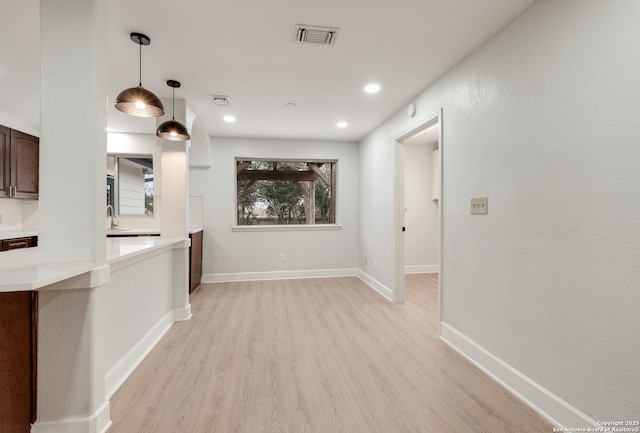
[{"x": 271, "y": 192}]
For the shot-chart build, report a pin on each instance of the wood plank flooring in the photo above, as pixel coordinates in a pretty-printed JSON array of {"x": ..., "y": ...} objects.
[{"x": 318, "y": 356}]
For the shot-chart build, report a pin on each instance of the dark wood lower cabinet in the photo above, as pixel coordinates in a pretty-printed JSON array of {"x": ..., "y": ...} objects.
[
  {"x": 18, "y": 331},
  {"x": 14, "y": 244},
  {"x": 195, "y": 261}
]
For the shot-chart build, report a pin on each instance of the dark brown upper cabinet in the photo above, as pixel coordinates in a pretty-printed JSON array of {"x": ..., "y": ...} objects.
[
  {"x": 19, "y": 162},
  {"x": 5, "y": 141}
]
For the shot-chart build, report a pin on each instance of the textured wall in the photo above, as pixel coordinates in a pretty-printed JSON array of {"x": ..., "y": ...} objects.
[{"x": 542, "y": 119}]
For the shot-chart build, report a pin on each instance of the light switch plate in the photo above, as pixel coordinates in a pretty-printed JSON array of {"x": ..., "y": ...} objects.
[{"x": 480, "y": 206}]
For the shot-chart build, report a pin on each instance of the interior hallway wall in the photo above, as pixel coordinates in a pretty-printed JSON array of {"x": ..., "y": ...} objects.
[{"x": 542, "y": 120}]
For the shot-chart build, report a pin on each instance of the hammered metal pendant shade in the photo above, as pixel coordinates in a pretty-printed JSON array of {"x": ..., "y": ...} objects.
[
  {"x": 172, "y": 129},
  {"x": 138, "y": 101}
]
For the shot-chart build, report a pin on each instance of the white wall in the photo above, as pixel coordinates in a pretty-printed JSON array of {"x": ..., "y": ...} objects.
[
  {"x": 421, "y": 211},
  {"x": 18, "y": 123},
  {"x": 135, "y": 308},
  {"x": 543, "y": 120},
  {"x": 231, "y": 254},
  {"x": 376, "y": 203}
]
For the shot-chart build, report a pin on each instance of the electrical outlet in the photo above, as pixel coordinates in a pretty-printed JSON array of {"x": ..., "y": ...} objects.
[
  {"x": 282, "y": 258},
  {"x": 480, "y": 206},
  {"x": 375, "y": 265},
  {"x": 365, "y": 261}
]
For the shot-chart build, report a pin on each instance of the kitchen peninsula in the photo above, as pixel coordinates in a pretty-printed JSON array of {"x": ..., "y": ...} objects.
[
  {"x": 20, "y": 271},
  {"x": 136, "y": 303}
]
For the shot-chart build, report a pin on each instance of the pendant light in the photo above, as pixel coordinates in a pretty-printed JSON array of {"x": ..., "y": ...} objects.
[
  {"x": 172, "y": 129},
  {"x": 138, "y": 101}
]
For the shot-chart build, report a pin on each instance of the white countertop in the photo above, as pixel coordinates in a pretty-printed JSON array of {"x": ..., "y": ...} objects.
[
  {"x": 119, "y": 249},
  {"x": 20, "y": 271},
  {"x": 132, "y": 232},
  {"x": 110, "y": 232},
  {"x": 141, "y": 232},
  {"x": 18, "y": 234}
]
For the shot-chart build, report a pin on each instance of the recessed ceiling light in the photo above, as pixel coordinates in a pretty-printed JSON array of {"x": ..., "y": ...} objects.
[
  {"x": 229, "y": 118},
  {"x": 342, "y": 124},
  {"x": 372, "y": 88}
]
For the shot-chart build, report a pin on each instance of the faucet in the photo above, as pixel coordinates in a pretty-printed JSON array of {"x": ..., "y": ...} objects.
[{"x": 114, "y": 224}]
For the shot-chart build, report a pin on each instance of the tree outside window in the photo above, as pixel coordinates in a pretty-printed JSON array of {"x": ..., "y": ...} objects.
[{"x": 276, "y": 192}]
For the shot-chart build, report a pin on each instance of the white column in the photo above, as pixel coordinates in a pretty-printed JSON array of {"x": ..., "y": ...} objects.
[
  {"x": 174, "y": 176},
  {"x": 174, "y": 206},
  {"x": 174, "y": 198},
  {"x": 73, "y": 142},
  {"x": 73, "y": 43}
]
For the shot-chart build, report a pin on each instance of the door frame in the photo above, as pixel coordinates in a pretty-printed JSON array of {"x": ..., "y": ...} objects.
[{"x": 399, "y": 259}]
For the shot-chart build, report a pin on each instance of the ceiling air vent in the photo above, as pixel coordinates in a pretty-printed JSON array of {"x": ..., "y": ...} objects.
[
  {"x": 220, "y": 100},
  {"x": 316, "y": 35}
]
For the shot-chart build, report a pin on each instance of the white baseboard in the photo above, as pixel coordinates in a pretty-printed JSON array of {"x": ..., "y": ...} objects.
[
  {"x": 116, "y": 376},
  {"x": 316, "y": 273},
  {"x": 182, "y": 314},
  {"x": 278, "y": 275},
  {"x": 421, "y": 269},
  {"x": 376, "y": 285},
  {"x": 98, "y": 422},
  {"x": 553, "y": 408}
]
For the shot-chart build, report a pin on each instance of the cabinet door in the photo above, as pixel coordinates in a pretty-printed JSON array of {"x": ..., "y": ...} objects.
[
  {"x": 25, "y": 155},
  {"x": 195, "y": 261},
  {"x": 4, "y": 161},
  {"x": 17, "y": 366}
]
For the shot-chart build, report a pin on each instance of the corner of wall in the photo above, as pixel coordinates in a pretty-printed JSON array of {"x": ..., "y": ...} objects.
[{"x": 376, "y": 285}]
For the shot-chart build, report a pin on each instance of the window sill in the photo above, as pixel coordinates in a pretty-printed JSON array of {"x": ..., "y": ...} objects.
[{"x": 286, "y": 228}]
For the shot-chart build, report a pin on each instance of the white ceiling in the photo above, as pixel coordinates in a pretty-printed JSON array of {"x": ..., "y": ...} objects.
[{"x": 245, "y": 49}]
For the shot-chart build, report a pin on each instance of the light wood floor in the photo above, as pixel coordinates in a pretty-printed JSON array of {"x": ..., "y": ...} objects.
[{"x": 317, "y": 355}]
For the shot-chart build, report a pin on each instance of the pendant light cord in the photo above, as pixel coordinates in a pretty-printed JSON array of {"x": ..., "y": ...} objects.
[
  {"x": 140, "y": 58},
  {"x": 173, "y": 104}
]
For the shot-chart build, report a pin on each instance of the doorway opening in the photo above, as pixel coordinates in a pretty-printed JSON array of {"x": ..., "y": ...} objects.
[{"x": 418, "y": 210}]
